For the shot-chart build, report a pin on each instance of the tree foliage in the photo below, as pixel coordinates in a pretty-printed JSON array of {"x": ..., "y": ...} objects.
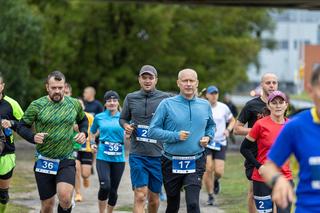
[{"x": 105, "y": 44}]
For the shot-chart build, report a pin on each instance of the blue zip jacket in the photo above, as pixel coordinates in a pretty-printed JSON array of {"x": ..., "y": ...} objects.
[{"x": 178, "y": 113}]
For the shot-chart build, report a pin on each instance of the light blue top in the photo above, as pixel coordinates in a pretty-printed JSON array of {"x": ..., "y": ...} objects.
[
  {"x": 110, "y": 131},
  {"x": 178, "y": 113}
]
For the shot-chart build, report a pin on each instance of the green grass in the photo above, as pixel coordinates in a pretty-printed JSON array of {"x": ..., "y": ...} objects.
[
  {"x": 234, "y": 185},
  {"x": 127, "y": 208},
  {"x": 13, "y": 208}
]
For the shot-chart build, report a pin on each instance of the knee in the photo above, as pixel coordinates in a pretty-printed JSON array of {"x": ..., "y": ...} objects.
[
  {"x": 4, "y": 196},
  {"x": 140, "y": 197},
  {"x": 65, "y": 200},
  {"x": 104, "y": 191},
  {"x": 219, "y": 173},
  {"x": 154, "y": 201},
  {"x": 192, "y": 206}
]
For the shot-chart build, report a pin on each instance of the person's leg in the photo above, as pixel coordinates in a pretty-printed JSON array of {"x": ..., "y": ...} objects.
[
  {"x": 218, "y": 173},
  {"x": 208, "y": 178},
  {"x": 78, "y": 197},
  {"x": 103, "y": 170},
  {"x": 65, "y": 184},
  {"x": 4, "y": 190},
  {"x": 172, "y": 184},
  {"x": 262, "y": 197},
  {"x": 153, "y": 166},
  {"x": 251, "y": 203},
  {"x": 116, "y": 174},
  {"x": 192, "y": 198},
  {"x": 86, "y": 167},
  {"x": 139, "y": 180}
]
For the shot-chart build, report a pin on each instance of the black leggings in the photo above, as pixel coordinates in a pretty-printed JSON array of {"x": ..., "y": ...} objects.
[
  {"x": 192, "y": 200},
  {"x": 109, "y": 174}
]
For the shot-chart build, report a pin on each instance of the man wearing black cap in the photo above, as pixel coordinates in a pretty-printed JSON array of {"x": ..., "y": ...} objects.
[{"x": 145, "y": 152}]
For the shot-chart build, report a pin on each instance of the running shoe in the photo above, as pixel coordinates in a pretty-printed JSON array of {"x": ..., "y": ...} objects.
[
  {"x": 210, "y": 201},
  {"x": 78, "y": 198}
]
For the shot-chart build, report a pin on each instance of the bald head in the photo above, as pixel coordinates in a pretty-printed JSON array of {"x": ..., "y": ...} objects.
[
  {"x": 269, "y": 83},
  {"x": 188, "y": 83},
  {"x": 188, "y": 72},
  {"x": 89, "y": 94}
]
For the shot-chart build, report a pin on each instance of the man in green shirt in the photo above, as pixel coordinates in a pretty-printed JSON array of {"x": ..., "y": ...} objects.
[{"x": 53, "y": 117}]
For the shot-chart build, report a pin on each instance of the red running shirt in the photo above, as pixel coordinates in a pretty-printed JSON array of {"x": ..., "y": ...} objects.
[{"x": 265, "y": 131}]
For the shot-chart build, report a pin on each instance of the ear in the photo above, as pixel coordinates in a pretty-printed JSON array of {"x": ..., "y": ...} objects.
[
  {"x": 47, "y": 87},
  {"x": 178, "y": 82}
]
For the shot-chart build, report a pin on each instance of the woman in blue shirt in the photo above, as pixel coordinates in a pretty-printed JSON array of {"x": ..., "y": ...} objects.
[{"x": 110, "y": 154}]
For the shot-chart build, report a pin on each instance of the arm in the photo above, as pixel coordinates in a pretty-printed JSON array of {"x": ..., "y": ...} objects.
[
  {"x": 125, "y": 118},
  {"x": 239, "y": 129},
  {"x": 245, "y": 150},
  {"x": 282, "y": 191},
  {"x": 156, "y": 128}
]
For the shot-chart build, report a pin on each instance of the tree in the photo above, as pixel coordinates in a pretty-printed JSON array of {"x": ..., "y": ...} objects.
[{"x": 20, "y": 44}]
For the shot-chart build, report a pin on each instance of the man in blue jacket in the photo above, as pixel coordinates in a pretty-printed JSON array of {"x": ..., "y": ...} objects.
[{"x": 185, "y": 125}]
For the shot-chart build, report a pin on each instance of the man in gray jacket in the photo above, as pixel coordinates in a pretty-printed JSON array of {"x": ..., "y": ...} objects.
[{"x": 145, "y": 152}]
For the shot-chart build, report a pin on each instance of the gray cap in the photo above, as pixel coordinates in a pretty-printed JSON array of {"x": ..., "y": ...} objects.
[{"x": 148, "y": 69}]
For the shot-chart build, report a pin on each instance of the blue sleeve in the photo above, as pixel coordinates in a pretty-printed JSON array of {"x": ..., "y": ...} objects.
[
  {"x": 283, "y": 146},
  {"x": 94, "y": 126},
  {"x": 156, "y": 128},
  {"x": 211, "y": 125}
]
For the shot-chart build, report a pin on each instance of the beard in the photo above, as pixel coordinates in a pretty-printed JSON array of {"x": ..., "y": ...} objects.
[{"x": 56, "y": 97}]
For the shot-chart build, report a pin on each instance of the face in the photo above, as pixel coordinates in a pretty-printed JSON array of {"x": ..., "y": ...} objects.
[
  {"x": 67, "y": 91},
  {"x": 148, "y": 82},
  {"x": 212, "y": 97},
  {"x": 88, "y": 94},
  {"x": 188, "y": 83},
  {"x": 269, "y": 84},
  {"x": 112, "y": 104},
  {"x": 1, "y": 85},
  {"x": 55, "y": 89},
  {"x": 277, "y": 106}
]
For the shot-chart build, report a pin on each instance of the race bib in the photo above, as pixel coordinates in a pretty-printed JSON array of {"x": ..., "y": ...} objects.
[
  {"x": 47, "y": 165},
  {"x": 142, "y": 134},
  {"x": 263, "y": 204},
  {"x": 314, "y": 163},
  {"x": 183, "y": 164},
  {"x": 112, "y": 148},
  {"x": 214, "y": 145}
]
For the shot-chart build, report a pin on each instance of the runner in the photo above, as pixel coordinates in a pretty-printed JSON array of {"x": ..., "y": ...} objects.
[
  {"x": 54, "y": 116},
  {"x": 264, "y": 132},
  {"x": 184, "y": 124},
  {"x": 145, "y": 152},
  {"x": 91, "y": 105},
  {"x": 216, "y": 149},
  {"x": 111, "y": 151},
  {"x": 300, "y": 137},
  {"x": 252, "y": 111},
  {"x": 10, "y": 113}
]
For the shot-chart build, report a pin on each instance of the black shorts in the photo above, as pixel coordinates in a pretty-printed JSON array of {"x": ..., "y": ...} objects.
[
  {"x": 174, "y": 182},
  {"x": 47, "y": 183},
  {"x": 85, "y": 157},
  {"x": 221, "y": 154},
  {"x": 7, "y": 175}
]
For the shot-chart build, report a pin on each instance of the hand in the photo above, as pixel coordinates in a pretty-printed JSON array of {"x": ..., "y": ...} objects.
[
  {"x": 204, "y": 141},
  {"x": 226, "y": 133},
  {"x": 261, "y": 170},
  {"x": 128, "y": 128},
  {"x": 94, "y": 148},
  {"x": 5, "y": 123},
  {"x": 282, "y": 192},
  {"x": 39, "y": 137},
  {"x": 80, "y": 138},
  {"x": 183, "y": 135}
]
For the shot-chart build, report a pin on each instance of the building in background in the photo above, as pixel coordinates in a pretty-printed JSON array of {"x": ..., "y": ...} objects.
[{"x": 294, "y": 31}]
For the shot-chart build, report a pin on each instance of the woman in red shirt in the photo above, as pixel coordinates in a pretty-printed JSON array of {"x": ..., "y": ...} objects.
[{"x": 264, "y": 132}]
